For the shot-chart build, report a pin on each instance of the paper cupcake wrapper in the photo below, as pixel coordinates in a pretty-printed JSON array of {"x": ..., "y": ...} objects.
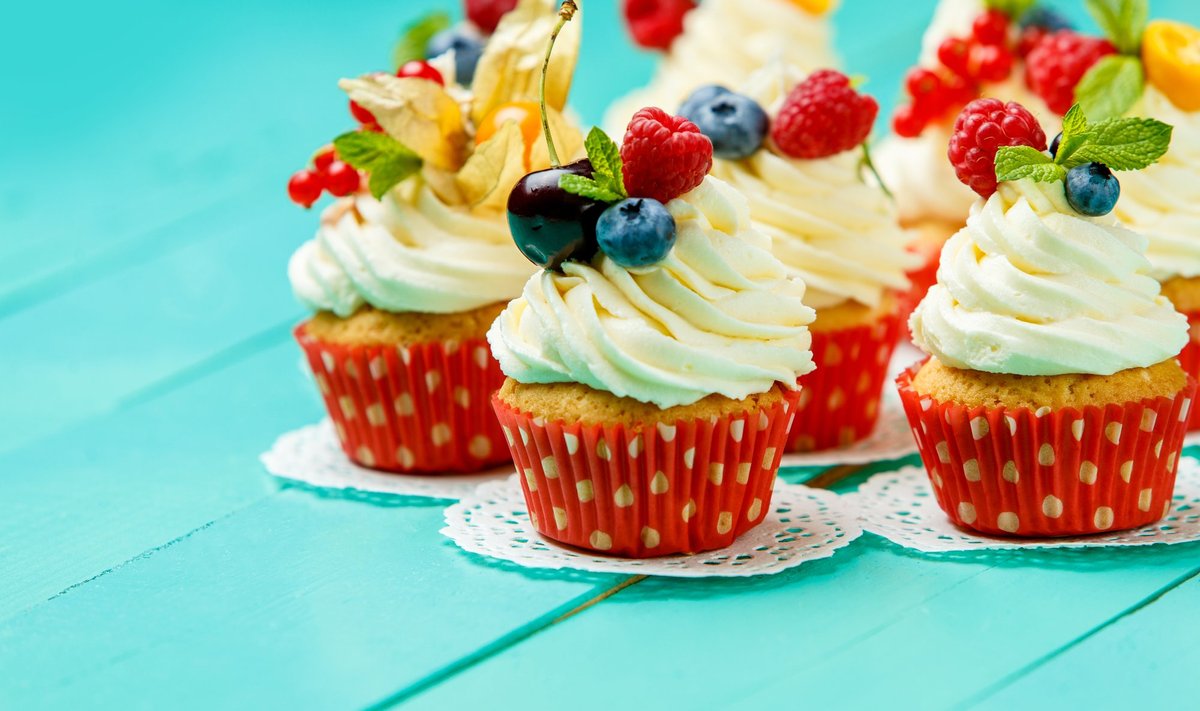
[
  {"x": 921, "y": 279},
  {"x": 840, "y": 400},
  {"x": 1050, "y": 473},
  {"x": 423, "y": 408},
  {"x": 1190, "y": 360},
  {"x": 648, "y": 491}
]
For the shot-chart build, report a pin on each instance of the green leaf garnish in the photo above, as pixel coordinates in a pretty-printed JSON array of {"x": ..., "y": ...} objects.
[
  {"x": 1015, "y": 9},
  {"x": 385, "y": 159},
  {"x": 607, "y": 183},
  {"x": 1123, "y": 22},
  {"x": 415, "y": 38},
  {"x": 1111, "y": 87},
  {"x": 1119, "y": 143}
]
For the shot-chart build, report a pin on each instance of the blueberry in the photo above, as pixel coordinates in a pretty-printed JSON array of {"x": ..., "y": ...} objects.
[
  {"x": 1092, "y": 189},
  {"x": 1054, "y": 144},
  {"x": 736, "y": 125},
  {"x": 699, "y": 97},
  {"x": 467, "y": 46},
  {"x": 636, "y": 232},
  {"x": 1047, "y": 19}
]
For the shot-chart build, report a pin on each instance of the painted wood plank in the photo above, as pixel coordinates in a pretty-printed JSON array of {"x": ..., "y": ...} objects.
[{"x": 1144, "y": 659}]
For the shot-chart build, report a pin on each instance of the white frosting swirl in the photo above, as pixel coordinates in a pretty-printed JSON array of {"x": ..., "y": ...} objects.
[
  {"x": 1030, "y": 287},
  {"x": 719, "y": 315},
  {"x": 408, "y": 252},
  {"x": 724, "y": 42},
  {"x": 1163, "y": 201}
]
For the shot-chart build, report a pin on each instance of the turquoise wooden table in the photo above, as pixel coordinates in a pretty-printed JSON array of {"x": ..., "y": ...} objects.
[{"x": 146, "y": 560}]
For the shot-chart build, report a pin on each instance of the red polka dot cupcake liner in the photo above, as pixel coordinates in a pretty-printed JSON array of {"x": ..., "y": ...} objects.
[
  {"x": 422, "y": 408},
  {"x": 1050, "y": 473},
  {"x": 653, "y": 490},
  {"x": 840, "y": 400},
  {"x": 1189, "y": 359},
  {"x": 921, "y": 279}
]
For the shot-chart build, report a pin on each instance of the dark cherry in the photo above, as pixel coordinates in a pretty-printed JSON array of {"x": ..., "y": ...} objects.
[{"x": 550, "y": 225}]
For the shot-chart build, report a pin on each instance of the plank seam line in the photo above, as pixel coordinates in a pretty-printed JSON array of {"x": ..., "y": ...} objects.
[
  {"x": 140, "y": 556},
  {"x": 502, "y": 644},
  {"x": 827, "y": 477},
  {"x": 147, "y": 245},
  {"x": 1012, "y": 678}
]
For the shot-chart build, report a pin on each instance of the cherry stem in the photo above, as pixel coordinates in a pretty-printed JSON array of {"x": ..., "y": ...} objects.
[
  {"x": 870, "y": 164},
  {"x": 565, "y": 13}
]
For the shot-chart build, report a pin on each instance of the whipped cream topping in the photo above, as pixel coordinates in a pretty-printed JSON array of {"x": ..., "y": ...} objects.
[
  {"x": 408, "y": 252},
  {"x": 762, "y": 31},
  {"x": 1163, "y": 201},
  {"x": 1030, "y": 287},
  {"x": 720, "y": 315},
  {"x": 830, "y": 227}
]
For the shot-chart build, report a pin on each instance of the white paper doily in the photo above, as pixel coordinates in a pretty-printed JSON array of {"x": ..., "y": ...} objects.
[
  {"x": 892, "y": 439},
  {"x": 804, "y": 525},
  {"x": 311, "y": 455},
  {"x": 900, "y": 506}
]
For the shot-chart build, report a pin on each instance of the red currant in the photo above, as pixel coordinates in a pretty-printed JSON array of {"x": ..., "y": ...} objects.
[
  {"x": 991, "y": 28},
  {"x": 420, "y": 70},
  {"x": 305, "y": 187},
  {"x": 342, "y": 179},
  {"x": 907, "y": 123},
  {"x": 960, "y": 92},
  {"x": 1029, "y": 39},
  {"x": 323, "y": 159},
  {"x": 991, "y": 63},
  {"x": 922, "y": 82},
  {"x": 955, "y": 55},
  {"x": 361, "y": 115}
]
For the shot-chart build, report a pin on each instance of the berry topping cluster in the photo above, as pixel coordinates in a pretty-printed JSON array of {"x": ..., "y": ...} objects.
[
  {"x": 820, "y": 117},
  {"x": 613, "y": 200},
  {"x": 995, "y": 142},
  {"x": 424, "y": 44}
]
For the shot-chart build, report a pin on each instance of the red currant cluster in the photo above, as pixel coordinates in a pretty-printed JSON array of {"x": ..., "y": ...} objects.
[
  {"x": 966, "y": 64},
  {"x": 327, "y": 173}
]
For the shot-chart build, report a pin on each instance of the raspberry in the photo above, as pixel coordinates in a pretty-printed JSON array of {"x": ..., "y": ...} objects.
[
  {"x": 655, "y": 24},
  {"x": 664, "y": 156},
  {"x": 823, "y": 116},
  {"x": 486, "y": 14},
  {"x": 1054, "y": 67},
  {"x": 980, "y": 130}
]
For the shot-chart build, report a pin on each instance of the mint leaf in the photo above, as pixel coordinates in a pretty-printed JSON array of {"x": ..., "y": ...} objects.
[
  {"x": 1020, "y": 162},
  {"x": 1074, "y": 134},
  {"x": 415, "y": 38},
  {"x": 588, "y": 188},
  {"x": 1111, "y": 87},
  {"x": 386, "y": 160},
  {"x": 605, "y": 157},
  {"x": 1124, "y": 144},
  {"x": 1015, "y": 9},
  {"x": 1123, "y": 22}
]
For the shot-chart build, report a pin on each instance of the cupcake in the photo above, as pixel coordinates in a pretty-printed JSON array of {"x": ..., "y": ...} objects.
[
  {"x": 652, "y": 365},
  {"x": 1052, "y": 403},
  {"x": 413, "y": 261},
  {"x": 697, "y": 47},
  {"x": 794, "y": 146},
  {"x": 1163, "y": 201},
  {"x": 970, "y": 49}
]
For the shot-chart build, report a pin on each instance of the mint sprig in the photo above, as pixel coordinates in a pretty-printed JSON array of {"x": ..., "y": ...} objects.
[
  {"x": 607, "y": 183},
  {"x": 386, "y": 160},
  {"x": 415, "y": 37},
  {"x": 1111, "y": 87},
  {"x": 1114, "y": 84},
  {"x": 1123, "y": 22},
  {"x": 1119, "y": 143}
]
